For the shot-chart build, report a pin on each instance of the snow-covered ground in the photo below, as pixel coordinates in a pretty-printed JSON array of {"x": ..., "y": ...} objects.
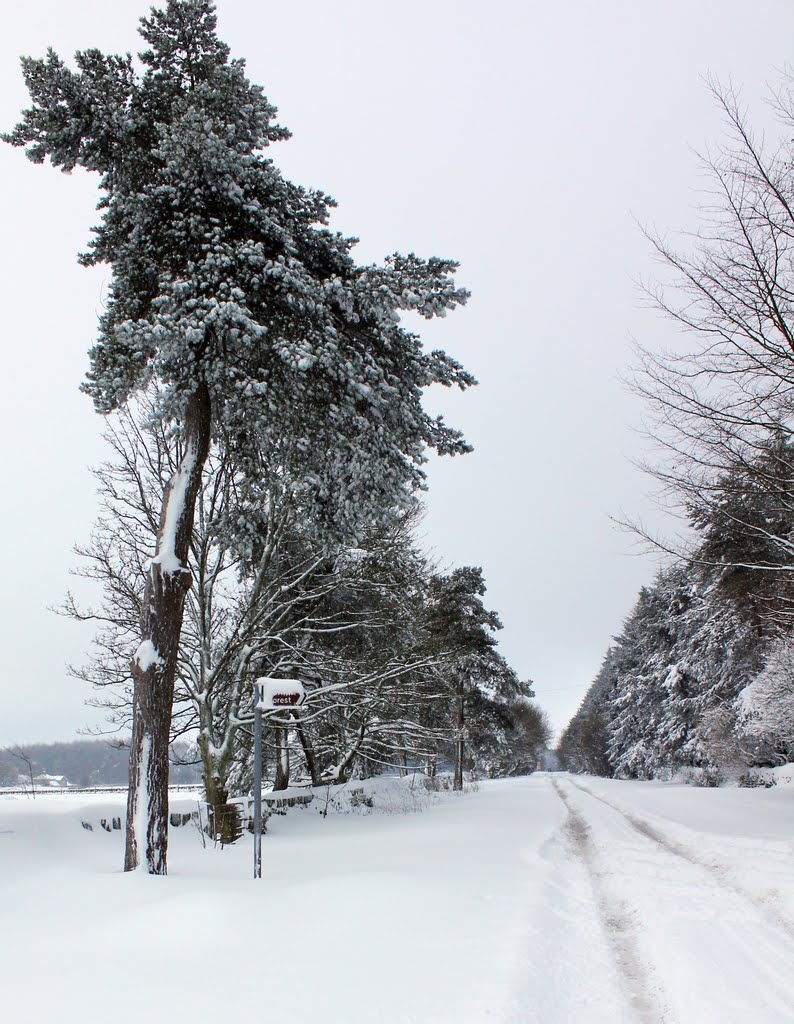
[{"x": 551, "y": 899}]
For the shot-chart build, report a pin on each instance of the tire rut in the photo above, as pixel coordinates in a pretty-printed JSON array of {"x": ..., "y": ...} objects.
[
  {"x": 640, "y": 989},
  {"x": 717, "y": 872}
]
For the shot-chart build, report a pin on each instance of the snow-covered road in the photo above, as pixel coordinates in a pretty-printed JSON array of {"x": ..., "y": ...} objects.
[
  {"x": 691, "y": 941},
  {"x": 550, "y": 899}
]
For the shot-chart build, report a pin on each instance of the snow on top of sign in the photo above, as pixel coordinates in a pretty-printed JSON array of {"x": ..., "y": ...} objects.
[{"x": 270, "y": 688}]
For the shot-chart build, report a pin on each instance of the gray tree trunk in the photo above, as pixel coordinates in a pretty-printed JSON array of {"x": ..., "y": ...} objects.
[
  {"x": 154, "y": 665},
  {"x": 282, "y": 758},
  {"x": 308, "y": 753},
  {"x": 457, "y": 781}
]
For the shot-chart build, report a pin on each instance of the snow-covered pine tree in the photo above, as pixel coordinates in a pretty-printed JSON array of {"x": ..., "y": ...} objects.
[
  {"x": 229, "y": 290},
  {"x": 655, "y": 721},
  {"x": 765, "y": 708},
  {"x": 664, "y": 699},
  {"x": 640, "y": 662},
  {"x": 471, "y": 671},
  {"x": 583, "y": 745}
]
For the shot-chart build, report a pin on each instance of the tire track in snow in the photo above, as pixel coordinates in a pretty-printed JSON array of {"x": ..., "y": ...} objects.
[
  {"x": 641, "y": 990},
  {"x": 721, "y": 956},
  {"x": 719, "y": 873}
]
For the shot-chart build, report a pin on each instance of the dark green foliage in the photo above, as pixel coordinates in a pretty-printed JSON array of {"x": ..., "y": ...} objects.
[
  {"x": 249, "y": 316},
  {"x": 665, "y": 698},
  {"x": 583, "y": 745},
  {"x": 226, "y": 274}
]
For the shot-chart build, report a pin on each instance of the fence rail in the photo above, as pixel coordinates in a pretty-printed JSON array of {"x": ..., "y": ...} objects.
[{"x": 182, "y": 787}]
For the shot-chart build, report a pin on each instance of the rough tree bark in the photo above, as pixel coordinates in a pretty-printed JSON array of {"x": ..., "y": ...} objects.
[
  {"x": 457, "y": 782},
  {"x": 224, "y": 818},
  {"x": 308, "y": 752},
  {"x": 154, "y": 665},
  {"x": 281, "y": 780}
]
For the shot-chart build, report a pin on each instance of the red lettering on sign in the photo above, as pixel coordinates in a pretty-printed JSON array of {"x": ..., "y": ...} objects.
[{"x": 284, "y": 699}]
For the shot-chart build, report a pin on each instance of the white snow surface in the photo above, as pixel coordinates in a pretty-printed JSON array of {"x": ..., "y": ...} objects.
[{"x": 549, "y": 899}]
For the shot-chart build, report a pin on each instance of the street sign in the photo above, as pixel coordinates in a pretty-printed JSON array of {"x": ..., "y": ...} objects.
[
  {"x": 278, "y": 693},
  {"x": 269, "y": 693}
]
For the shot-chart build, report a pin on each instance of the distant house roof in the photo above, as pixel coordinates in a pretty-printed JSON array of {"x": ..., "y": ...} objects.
[{"x": 50, "y": 780}]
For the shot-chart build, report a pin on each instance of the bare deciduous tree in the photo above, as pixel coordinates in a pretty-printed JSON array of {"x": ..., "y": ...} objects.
[
  {"x": 22, "y": 755},
  {"x": 721, "y": 411}
]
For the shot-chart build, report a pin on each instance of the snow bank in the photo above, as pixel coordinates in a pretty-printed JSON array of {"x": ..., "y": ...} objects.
[
  {"x": 479, "y": 909},
  {"x": 782, "y": 775}
]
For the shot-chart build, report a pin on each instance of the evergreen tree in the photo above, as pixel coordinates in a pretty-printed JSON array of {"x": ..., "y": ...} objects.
[
  {"x": 479, "y": 682},
  {"x": 583, "y": 745},
  {"x": 231, "y": 292},
  {"x": 664, "y": 700},
  {"x": 765, "y": 709}
]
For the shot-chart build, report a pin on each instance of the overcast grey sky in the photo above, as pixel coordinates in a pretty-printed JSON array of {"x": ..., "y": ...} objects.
[{"x": 521, "y": 138}]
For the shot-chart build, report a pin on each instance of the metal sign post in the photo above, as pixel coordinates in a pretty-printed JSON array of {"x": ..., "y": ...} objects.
[
  {"x": 269, "y": 693},
  {"x": 257, "y": 790}
]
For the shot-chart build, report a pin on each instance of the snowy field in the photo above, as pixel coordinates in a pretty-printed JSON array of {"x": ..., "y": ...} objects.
[{"x": 554, "y": 899}]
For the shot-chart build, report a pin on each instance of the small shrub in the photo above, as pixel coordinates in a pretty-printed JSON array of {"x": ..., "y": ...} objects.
[{"x": 750, "y": 780}]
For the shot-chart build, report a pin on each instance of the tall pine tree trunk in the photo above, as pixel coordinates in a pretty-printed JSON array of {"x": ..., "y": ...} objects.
[
  {"x": 154, "y": 665},
  {"x": 457, "y": 781}
]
